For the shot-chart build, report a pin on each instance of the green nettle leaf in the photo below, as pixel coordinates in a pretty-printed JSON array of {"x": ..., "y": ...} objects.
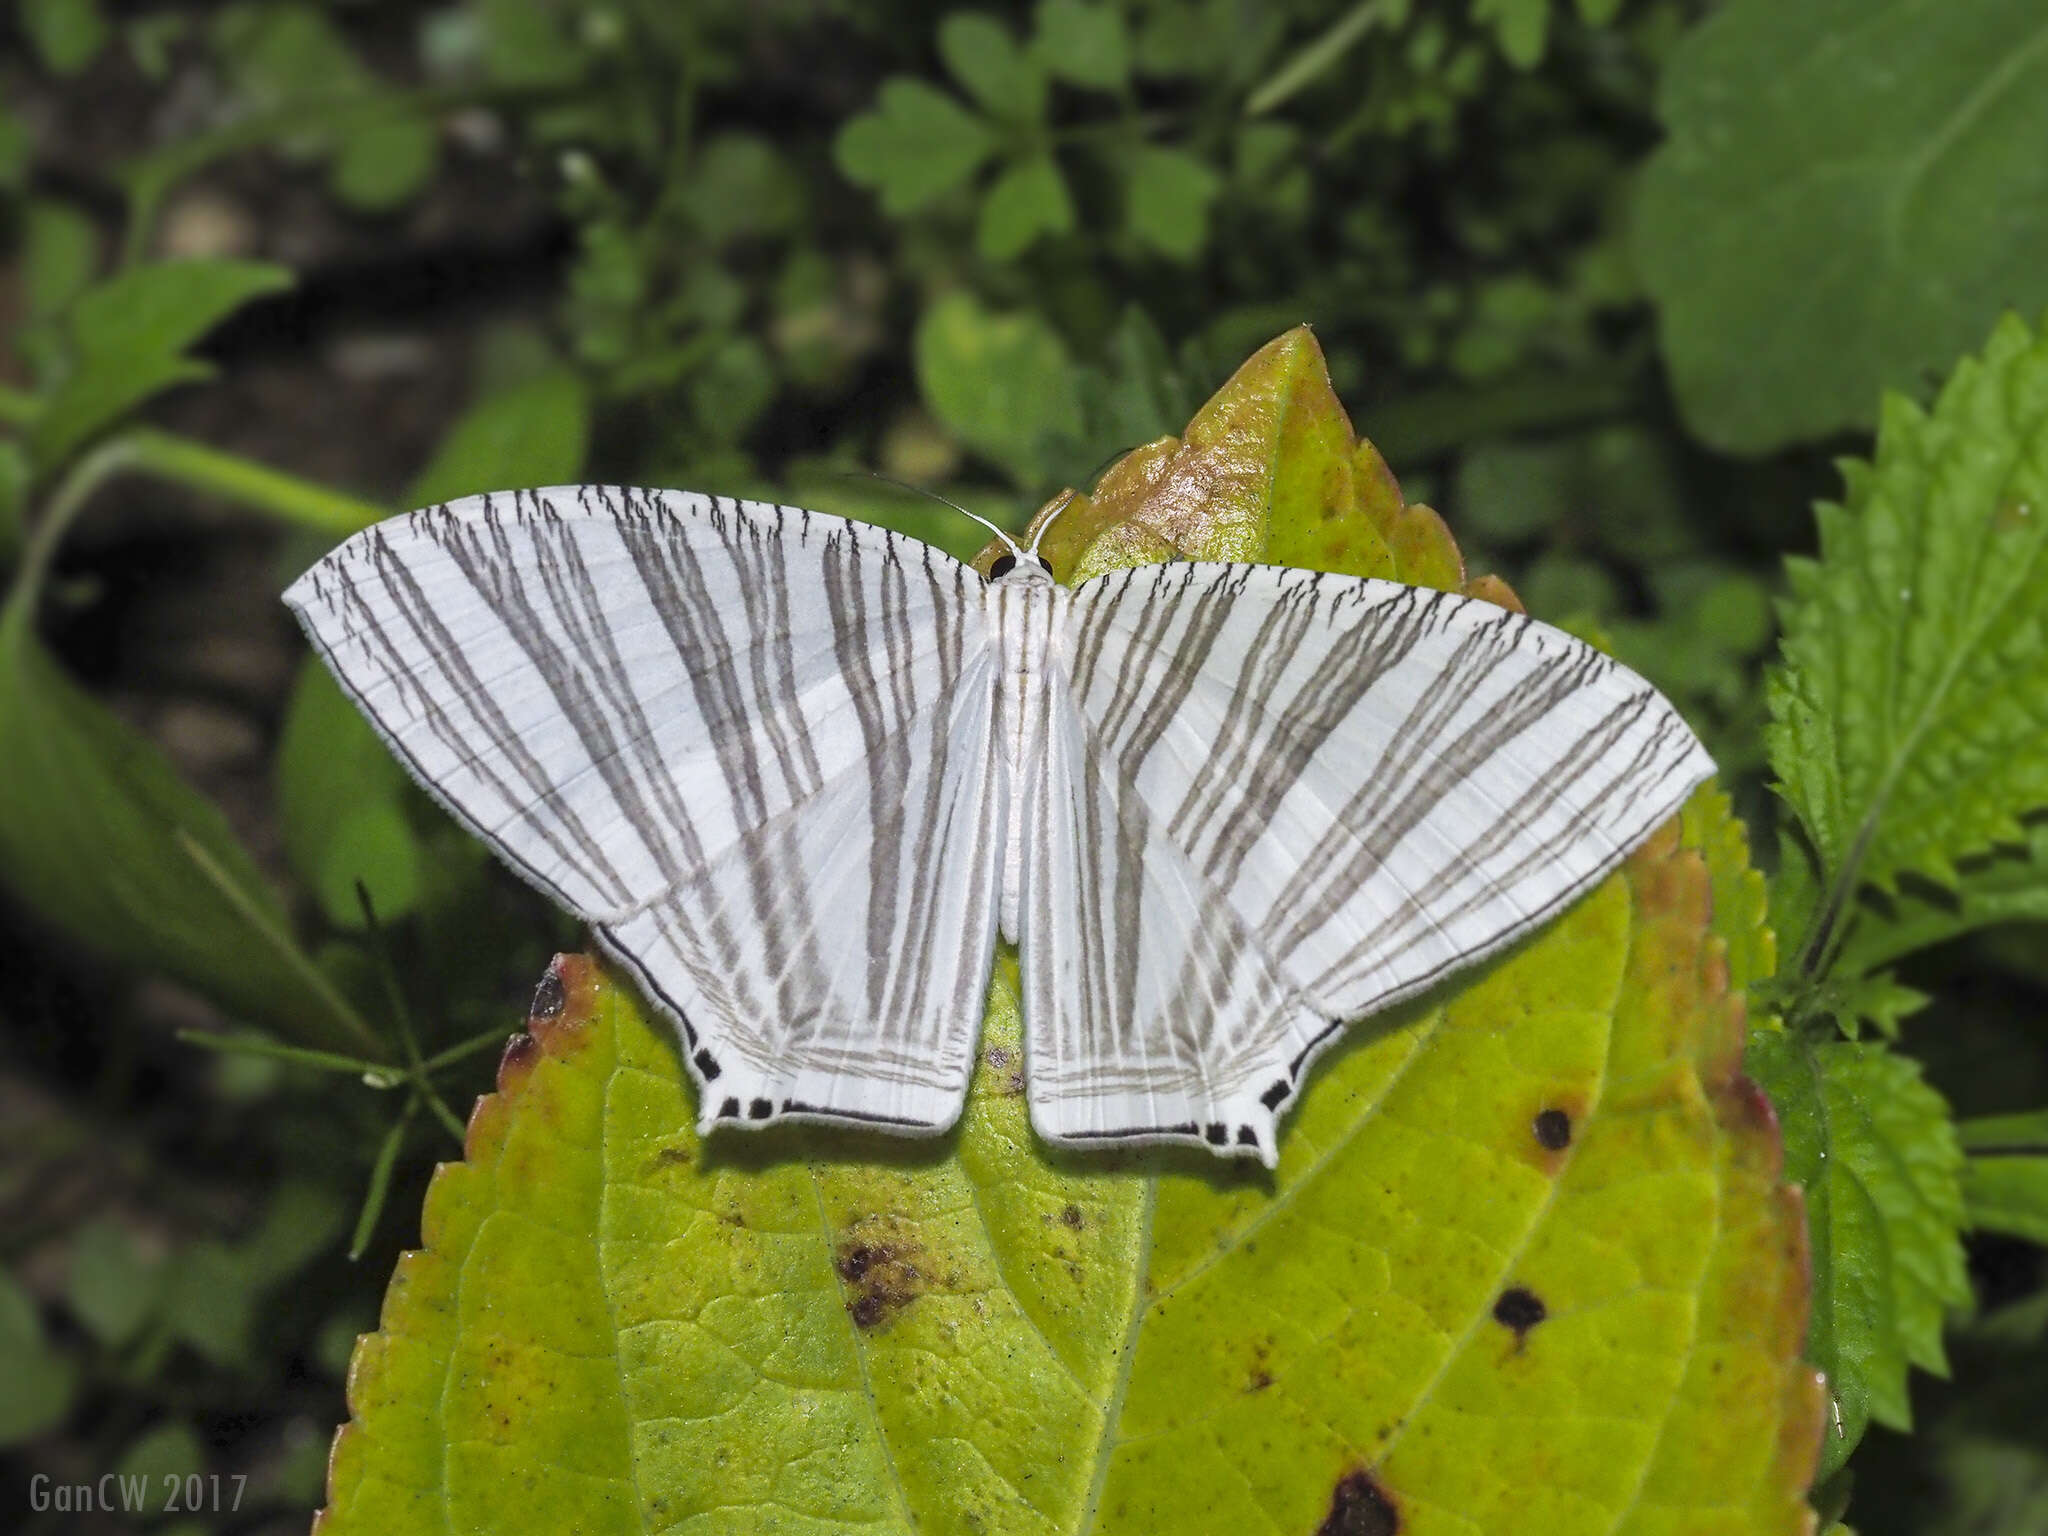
[
  {"x": 985, "y": 58},
  {"x": 1525, "y": 1263},
  {"x": 1167, "y": 201},
  {"x": 1850, "y": 192},
  {"x": 1877, "y": 998},
  {"x": 105, "y": 843},
  {"x": 68, "y": 34},
  {"x": 2009, "y": 1195},
  {"x": 2007, "y": 884},
  {"x": 916, "y": 146},
  {"x": 1083, "y": 43},
  {"x": 2005, "y": 1181},
  {"x": 1002, "y": 383},
  {"x": 1910, "y": 714},
  {"x": 1876, "y": 1153},
  {"x": 126, "y": 340},
  {"x": 1028, "y": 200}
]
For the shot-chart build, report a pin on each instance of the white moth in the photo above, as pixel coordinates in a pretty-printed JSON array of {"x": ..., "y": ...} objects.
[{"x": 797, "y": 773}]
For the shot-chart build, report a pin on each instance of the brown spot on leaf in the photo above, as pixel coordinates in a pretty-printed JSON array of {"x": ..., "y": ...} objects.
[
  {"x": 1553, "y": 1129},
  {"x": 561, "y": 1025},
  {"x": 1752, "y": 1106},
  {"x": 521, "y": 1052},
  {"x": 1521, "y": 1309},
  {"x": 883, "y": 1279},
  {"x": 1005, "y": 1070},
  {"x": 1072, "y": 1217},
  {"x": 1360, "y": 1507},
  {"x": 549, "y": 997}
]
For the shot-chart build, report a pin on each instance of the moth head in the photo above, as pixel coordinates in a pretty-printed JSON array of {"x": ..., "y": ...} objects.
[{"x": 1020, "y": 569}]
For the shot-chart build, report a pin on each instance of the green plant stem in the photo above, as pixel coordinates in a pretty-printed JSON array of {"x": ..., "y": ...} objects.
[
  {"x": 1317, "y": 58},
  {"x": 401, "y": 1014},
  {"x": 380, "y": 1180},
  {"x": 252, "y": 485},
  {"x": 316, "y": 980},
  {"x": 69, "y": 499},
  {"x": 1817, "y": 952},
  {"x": 180, "y": 460},
  {"x": 376, "y": 1073},
  {"x": 466, "y": 1048}
]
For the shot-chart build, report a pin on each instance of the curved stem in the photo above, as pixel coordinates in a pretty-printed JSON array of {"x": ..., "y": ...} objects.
[
  {"x": 73, "y": 492},
  {"x": 183, "y": 461},
  {"x": 253, "y": 485}
]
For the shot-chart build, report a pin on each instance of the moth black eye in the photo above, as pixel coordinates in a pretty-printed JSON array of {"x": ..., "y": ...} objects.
[{"x": 1002, "y": 565}]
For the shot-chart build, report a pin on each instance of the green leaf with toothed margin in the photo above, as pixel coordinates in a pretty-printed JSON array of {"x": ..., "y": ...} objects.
[
  {"x": 1525, "y": 1263},
  {"x": 1876, "y": 1152},
  {"x": 1909, "y": 717}
]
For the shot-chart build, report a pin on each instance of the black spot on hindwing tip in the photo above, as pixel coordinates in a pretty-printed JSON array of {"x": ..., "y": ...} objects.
[
  {"x": 729, "y": 1110},
  {"x": 1360, "y": 1507},
  {"x": 760, "y": 1109},
  {"x": 1553, "y": 1130},
  {"x": 1216, "y": 1133},
  {"x": 1519, "y": 1308},
  {"x": 707, "y": 1065}
]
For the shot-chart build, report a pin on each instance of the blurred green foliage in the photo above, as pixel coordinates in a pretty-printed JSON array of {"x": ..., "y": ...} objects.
[{"x": 1566, "y": 261}]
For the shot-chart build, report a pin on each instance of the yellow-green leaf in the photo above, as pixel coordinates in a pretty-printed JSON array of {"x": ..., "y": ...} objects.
[{"x": 1525, "y": 1264}]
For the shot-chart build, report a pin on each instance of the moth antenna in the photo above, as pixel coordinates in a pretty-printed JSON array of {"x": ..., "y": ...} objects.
[
  {"x": 918, "y": 490},
  {"x": 1066, "y": 501}
]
